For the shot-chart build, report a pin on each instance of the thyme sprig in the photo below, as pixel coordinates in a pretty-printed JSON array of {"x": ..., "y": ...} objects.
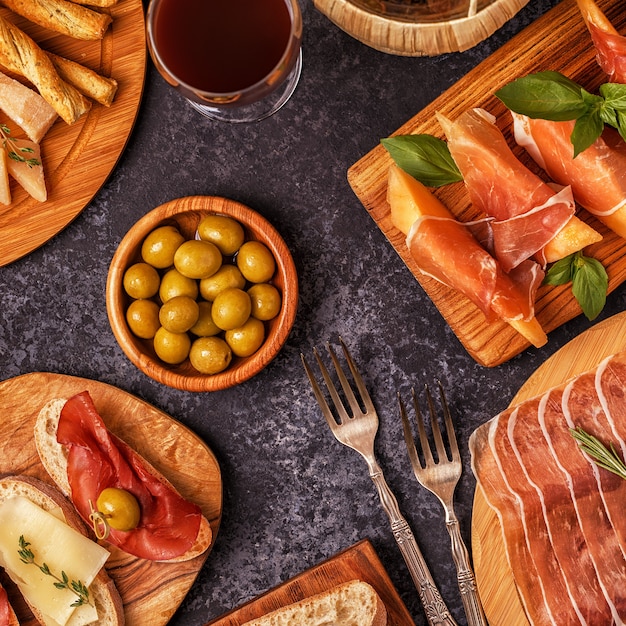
[
  {"x": 63, "y": 582},
  {"x": 14, "y": 151},
  {"x": 607, "y": 458}
]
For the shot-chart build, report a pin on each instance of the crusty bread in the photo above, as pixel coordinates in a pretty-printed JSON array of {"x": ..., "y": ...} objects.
[
  {"x": 103, "y": 591},
  {"x": 53, "y": 457},
  {"x": 354, "y": 603}
]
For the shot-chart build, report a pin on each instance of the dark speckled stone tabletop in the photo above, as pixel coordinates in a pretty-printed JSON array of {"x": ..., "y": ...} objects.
[{"x": 293, "y": 496}]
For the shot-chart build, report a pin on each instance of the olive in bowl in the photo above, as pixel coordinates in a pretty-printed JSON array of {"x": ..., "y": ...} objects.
[{"x": 206, "y": 324}]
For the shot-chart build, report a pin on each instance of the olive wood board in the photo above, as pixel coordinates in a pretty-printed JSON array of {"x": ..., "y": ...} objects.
[
  {"x": 151, "y": 592},
  {"x": 78, "y": 159},
  {"x": 359, "y": 561},
  {"x": 558, "y": 40},
  {"x": 493, "y": 574}
]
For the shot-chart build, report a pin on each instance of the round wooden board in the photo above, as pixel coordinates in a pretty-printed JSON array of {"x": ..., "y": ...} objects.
[
  {"x": 78, "y": 159},
  {"x": 493, "y": 575},
  {"x": 151, "y": 591}
]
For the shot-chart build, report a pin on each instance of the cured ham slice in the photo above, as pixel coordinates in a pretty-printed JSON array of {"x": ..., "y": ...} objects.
[
  {"x": 597, "y": 175},
  {"x": 97, "y": 459},
  {"x": 527, "y": 212},
  {"x": 561, "y": 515},
  {"x": 609, "y": 44}
]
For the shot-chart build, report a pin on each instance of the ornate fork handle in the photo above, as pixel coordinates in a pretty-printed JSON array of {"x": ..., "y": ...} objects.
[
  {"x": 465, "y": 576},
  {"x": 437, "y": 612}
]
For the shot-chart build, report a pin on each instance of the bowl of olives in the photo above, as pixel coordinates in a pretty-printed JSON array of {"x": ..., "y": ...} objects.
[{"x": 202, "y": 293}]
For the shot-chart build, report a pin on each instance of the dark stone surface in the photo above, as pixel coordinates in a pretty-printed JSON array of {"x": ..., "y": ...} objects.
[{"x": 293, "y": 496}]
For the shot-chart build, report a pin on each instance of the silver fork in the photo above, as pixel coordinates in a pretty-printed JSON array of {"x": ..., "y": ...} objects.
[
  {"x": 358, "y": 432},
  {"x": 440, "y": 478}
]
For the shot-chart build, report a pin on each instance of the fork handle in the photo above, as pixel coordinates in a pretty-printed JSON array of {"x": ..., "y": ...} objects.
[
  {"x": 465, "y": 577},
  {"x": 437, "y": 612}
]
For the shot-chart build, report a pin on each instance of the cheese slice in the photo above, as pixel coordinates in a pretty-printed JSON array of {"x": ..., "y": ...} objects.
[
  {"x": 60, "y": 547},
  {"x": 30, "y": 177},
  {"x": 5, "y": 189}
]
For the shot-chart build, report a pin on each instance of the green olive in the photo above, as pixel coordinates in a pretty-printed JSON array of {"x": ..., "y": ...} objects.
[
  {"x": 246, "y": 339},
  {"x": 142, "y": 317},
  {"x": 119, "y": 508},
  {"x": 225, "y": 232},
  {"x": 160, "y": 245},
  {"x": 266, "y": 301},
  {"x": 210, "y": 355},
  {"x": 205, "y": 326},
  {"x": 179, "y": 314},
  {"x": 175, "y": 284},
  {"x": 173, "y": 348},
  {"x": 197, "y": 259},
  {"x": 141, "y": 280},
  {"x": 256, "y": 262},
  {"x": 226, "y": 276},
  {"x": 231, "y": 308}
]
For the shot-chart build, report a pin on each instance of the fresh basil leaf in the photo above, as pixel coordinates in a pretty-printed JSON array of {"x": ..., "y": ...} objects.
[
  {"x": 589, "y": 286},
  {"x": 621, "y": 124},
  {"x": 544, "y": 95},
  {"x": 614, "y": 95},
  {"x": 587, "y": 129},
  {"x": 560, "y": 272},
  {"x": 424, "y": 157}
]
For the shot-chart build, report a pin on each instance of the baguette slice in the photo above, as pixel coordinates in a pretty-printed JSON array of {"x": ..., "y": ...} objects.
[
  {"x": 53, "y": 457},
  {"x": 354, "y": 603},
  {"x": 103, "y": 591}
]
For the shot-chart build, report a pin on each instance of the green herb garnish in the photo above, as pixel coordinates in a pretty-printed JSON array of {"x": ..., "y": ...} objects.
[
  {"x": 552, "y": 96},
  {"x": 63, "y": 582},
  {"x": 603, "y": 456},
  {"x": 589, "y": 281},
  {"x": 424, "y": 157},
  {"x": 15, "y": 152}
]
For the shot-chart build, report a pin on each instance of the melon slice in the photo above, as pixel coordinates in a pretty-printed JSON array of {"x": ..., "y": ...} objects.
[
  {"x": 29, "y": 176},
  {"x": 5, "y": 190}
]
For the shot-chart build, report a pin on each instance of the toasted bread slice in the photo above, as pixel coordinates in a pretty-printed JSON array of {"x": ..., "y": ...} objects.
[
  {"x": 103, "y": 591},
  {"x": 354, "y": 603},
  {"x": 53, "y": 457}
]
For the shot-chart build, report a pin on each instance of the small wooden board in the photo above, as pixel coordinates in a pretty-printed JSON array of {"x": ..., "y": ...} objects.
[
  {"x": 557, "y": 41},
  {"x": 78, "y": 159},
  {"x": 360, "y": 561},
  {"x": 151, "y": 591},
  {"x": 493, "y": 574}
]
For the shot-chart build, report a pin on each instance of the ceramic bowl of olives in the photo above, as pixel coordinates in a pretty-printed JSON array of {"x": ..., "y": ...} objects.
[{"x": 202, "y": 293}]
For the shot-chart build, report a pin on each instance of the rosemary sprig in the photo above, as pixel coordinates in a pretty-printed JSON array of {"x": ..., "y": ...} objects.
[
  {"x": 15, "y": 152},
  {"x": 76, "y": 586},
  {"x": 608, "y": 459}
]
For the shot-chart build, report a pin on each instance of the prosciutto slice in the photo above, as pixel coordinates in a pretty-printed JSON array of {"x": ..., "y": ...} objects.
[
  {"x": 5, "y": 608},
  {"x": 527, "y": 212},
  {"x": 560, "y": 514},
  {"x": 97, "y": 459},
  {"x": 597, "y": 175}
]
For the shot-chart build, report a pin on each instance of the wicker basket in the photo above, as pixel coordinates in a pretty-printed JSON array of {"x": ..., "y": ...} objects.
[{"x": 419, "y": 27}]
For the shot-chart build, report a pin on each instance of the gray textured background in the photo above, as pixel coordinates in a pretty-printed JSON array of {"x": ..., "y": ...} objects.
[{"x": 292, "y": 495}]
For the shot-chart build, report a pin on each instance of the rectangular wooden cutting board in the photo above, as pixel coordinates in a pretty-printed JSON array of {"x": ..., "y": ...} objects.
[
  {"x": 559, "y": 40},
  {"x": 360, "y": 561}
]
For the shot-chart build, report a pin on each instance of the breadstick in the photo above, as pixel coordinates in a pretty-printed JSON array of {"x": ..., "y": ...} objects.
[
  {"x": 103, "y": 4},
  {"x": 89, "y": 83},
  {"x": 63, "y": 17},
  {"x": 21, "y": 55}
]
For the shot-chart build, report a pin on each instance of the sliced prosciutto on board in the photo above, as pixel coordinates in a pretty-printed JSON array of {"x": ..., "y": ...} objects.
[
  {"x": 97, "y": 459},
  {"x": 5, "y": 608},
  {"x": 597, "y": 175},
  {"x": 527, "y": 212},
  {"x": 562, "y": 516},
  {"x": 609, "y": 44}
]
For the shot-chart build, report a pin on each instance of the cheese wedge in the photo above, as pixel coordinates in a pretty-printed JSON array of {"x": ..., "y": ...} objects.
[
  {"x": 26, "y": 108},
  {"x": 60, "y": 547},
  {"x": 5, "y": 189},
  {"x": 30, "y": 177}
]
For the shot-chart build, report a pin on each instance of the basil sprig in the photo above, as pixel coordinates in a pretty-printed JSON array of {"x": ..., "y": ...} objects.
[
  {"x": 589, "y": 281},
  {"x": 424, "y": 157},
  {"x": 552, "y": 96}
]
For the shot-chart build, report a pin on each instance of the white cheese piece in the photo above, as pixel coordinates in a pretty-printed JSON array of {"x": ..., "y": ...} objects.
[
  {"x": 54, "y": 543},
  {"x": 5, "y": 190}
]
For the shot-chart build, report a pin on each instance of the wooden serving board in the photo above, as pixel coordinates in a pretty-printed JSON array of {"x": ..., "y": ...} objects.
[
  {"x": 493, "y": 574},
  {"x": 360, "y": 561},
  {"x": 557, "y": 41},
  {"x": 151, "y": 591},
  {"x": 78, "y": 159}
]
